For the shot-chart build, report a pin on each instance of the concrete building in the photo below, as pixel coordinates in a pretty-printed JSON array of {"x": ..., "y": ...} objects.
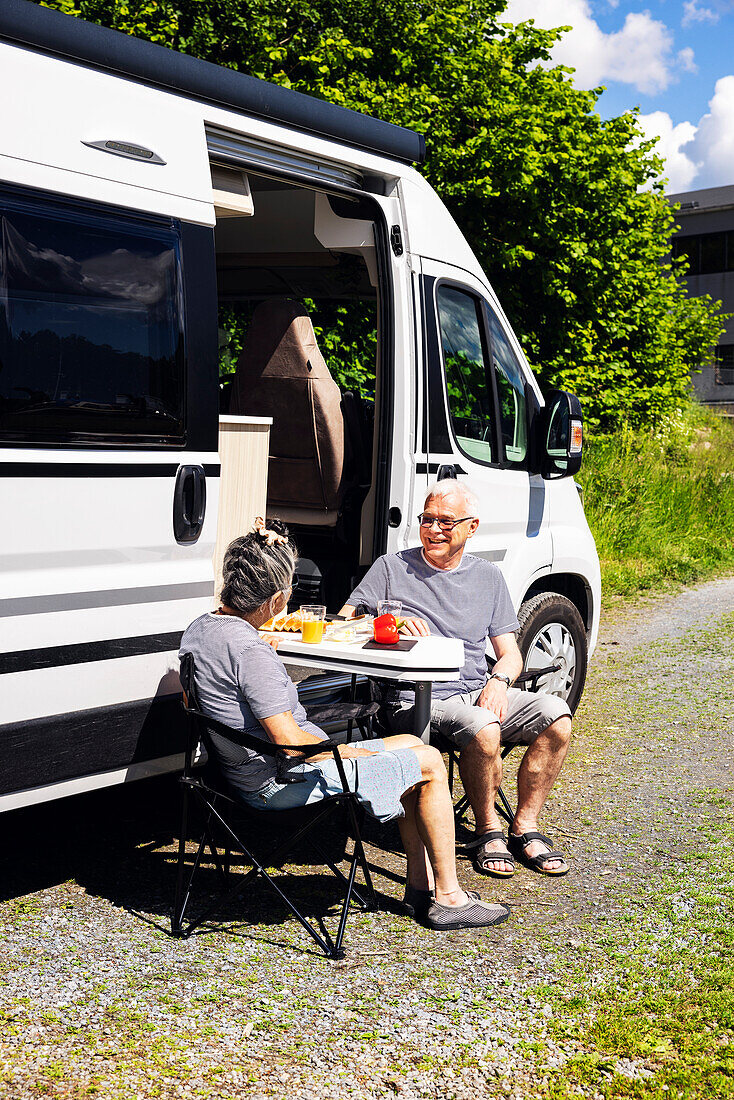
[{"x": 706, "y": 236}]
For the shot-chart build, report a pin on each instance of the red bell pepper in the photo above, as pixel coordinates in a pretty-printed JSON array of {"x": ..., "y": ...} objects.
[{"x": 386, "y": 630}]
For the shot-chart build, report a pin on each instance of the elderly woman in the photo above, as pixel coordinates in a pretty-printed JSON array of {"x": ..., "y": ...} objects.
[{"x": 242, "y": 682}]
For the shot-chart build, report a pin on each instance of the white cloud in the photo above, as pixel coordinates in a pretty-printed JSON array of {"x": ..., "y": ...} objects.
[
  {"x": 640, "y": 53},
  {"x": 693, "y": 14},
  {"x": 699, "y": 155},
  {"x": 686, "y": 60},
  {"x": 680, "y": 170},
  {"x": 712, "y": 148}
]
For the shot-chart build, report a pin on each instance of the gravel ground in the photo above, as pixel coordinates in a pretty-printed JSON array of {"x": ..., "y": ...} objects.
[{"x": 97, "y": 1000}]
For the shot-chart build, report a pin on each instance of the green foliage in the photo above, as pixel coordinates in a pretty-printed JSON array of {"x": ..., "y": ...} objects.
[
  {"x": 559, "y": 205},
  {"x": 346, "y": 332},
  {"x": 661, "y": 503}
]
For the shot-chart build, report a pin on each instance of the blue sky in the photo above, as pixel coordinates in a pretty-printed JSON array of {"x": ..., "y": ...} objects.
[{"x": 671, "y": 58}]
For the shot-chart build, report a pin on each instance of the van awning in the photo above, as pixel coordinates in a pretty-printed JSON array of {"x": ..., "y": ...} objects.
[{"x": 53, "y": 32}]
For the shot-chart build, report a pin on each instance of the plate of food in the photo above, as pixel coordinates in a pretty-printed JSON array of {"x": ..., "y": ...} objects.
[{"x": 283, "y": 623}]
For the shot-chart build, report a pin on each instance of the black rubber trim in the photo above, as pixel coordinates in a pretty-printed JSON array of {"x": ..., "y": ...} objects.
[
  {"x": 66, "y": 36},
  {"x": 432, "y": 467},
  {"x": 28, "y": 660},
  {"x": 46, "y": 751},
  {"x": 436, "y": 434},
  {"x": 122, "y": 468},
  {"x": 385, "y": 421},
  {"x": 202, "y": 362},
  {"x": 106, "y": 597}
]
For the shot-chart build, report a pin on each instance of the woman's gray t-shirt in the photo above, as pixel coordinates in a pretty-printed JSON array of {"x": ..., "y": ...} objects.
[
  {"x": 470, "y": 602},
  {"x": 239, "y": 680}
]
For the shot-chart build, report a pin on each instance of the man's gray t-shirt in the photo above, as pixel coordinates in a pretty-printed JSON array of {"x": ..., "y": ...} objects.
[
  {"x": 239, "y": 680},
  {"x": 470, "y": 602}
]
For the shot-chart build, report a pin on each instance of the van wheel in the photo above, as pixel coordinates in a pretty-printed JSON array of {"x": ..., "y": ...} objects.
[{"x": 552, "y": 633}]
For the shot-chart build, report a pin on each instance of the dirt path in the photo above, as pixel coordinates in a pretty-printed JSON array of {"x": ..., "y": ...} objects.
[{"x": 97, "y": 1000}]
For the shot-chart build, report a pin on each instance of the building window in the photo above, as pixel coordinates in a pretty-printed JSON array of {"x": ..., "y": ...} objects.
[
  {"x": 707, "y": 253},
  {"x": 690, "y": 247},
  {"x": 724, "y": 365},
  {"x": 713, "y": 253}
]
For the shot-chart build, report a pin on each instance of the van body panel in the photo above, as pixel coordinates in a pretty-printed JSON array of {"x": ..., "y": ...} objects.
[
  {"x": 574, "y": 550},
  {"x": 111, "y": 557},
  {"x": 43, "y": 137},
  {"x": 83, "y": 784},
  {"x": 432, "y": 232}
]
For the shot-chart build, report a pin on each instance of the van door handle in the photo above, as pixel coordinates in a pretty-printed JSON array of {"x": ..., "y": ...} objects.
[{"x": 189, "y": 503}]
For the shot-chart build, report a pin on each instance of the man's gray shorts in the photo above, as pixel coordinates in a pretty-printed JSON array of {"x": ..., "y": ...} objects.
[{"x": 459, "y": 720}]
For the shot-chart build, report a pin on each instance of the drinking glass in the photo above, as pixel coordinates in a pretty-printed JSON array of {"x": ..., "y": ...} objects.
[
  {"x": 389, "y": 607},
  {"x": 312, "y": 622}
]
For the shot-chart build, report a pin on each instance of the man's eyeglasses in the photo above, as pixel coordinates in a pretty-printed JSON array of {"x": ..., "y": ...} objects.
[{"x": 445, "y": 524}]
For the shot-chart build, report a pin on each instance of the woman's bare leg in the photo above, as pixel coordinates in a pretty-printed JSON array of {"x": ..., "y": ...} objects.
[
  {"x": 433, "y": 820},
  {"x": 420, "y": 872}
]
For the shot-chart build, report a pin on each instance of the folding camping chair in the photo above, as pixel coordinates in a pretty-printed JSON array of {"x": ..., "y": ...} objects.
[{"x": 227, "y": 825}]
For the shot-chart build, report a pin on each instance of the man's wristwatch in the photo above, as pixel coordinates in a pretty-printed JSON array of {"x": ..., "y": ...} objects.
[{"x": 499, "y": 676}]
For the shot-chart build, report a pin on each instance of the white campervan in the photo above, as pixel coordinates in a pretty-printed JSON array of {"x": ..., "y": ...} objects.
[{"x": 161, "y": 218}]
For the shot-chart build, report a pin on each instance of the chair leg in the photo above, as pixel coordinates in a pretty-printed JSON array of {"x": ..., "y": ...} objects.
[
  {"x": 181, "y": 896},
  {"x": 504, "y": 808},
  {"x": 332, "y": 947},
  {"x": 460, "y": 809},
  {"x": 359, "y": 854},
  {"x": 184, "y": 888},
  {"x": 324, "y": 942}
]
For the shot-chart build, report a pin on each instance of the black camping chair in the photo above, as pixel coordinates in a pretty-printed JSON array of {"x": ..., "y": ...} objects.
[
  {"x": 527, "y": 680},
  {"x": 226, "y": 817},
  {"x": 338, "y": 714}
]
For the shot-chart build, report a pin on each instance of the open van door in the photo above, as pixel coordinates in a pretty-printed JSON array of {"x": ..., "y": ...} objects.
[{"x": 477, "y": 420}]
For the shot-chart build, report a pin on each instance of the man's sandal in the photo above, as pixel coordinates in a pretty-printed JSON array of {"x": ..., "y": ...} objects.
[
  {"x": 518, "y": 844},
  {"x": 484, "y": 855}
]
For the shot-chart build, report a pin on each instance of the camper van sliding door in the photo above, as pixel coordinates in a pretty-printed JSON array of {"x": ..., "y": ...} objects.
[
  {"x": 108, "y": 422},
  {"x": 477, "y": 420}
]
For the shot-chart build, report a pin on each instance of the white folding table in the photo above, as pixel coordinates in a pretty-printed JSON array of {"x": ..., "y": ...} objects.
[{"x": 430, "y": 660}]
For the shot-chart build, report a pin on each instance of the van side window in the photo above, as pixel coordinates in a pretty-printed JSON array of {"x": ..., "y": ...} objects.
[
  {"x": 468, "y": 381},
  {"x": 511, "y": 393},
  {"x": 91, "y": 325}
]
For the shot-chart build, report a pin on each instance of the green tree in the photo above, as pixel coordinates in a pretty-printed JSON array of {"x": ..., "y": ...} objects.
[{"x": 560, "y": 205}]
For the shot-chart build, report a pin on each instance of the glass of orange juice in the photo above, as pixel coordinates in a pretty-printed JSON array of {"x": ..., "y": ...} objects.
[{"x": 312, "y": 622}]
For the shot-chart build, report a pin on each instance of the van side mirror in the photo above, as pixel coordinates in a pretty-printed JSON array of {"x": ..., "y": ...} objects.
[{"x": 561, "y": 429}]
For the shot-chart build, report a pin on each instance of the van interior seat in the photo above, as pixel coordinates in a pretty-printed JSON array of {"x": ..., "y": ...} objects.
[{"x": 281, "y": 373}]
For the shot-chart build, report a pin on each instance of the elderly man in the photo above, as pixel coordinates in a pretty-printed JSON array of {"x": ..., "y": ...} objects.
[{"x": 448, "y": 592}]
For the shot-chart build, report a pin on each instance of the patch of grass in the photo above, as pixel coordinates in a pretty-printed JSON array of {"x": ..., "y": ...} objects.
[
  {"x": 661, "y": 504},
  {"x": 660, "y": 1021}
]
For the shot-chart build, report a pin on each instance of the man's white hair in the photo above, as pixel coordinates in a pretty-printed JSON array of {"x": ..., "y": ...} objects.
[{"x": 451, "y": 487}]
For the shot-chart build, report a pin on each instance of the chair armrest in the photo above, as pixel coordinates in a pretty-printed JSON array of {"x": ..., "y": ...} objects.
[
  {"x": 270, "y": 748},
  {"x": 532, "y": 676},
  {"x": 322, "y": 746}
]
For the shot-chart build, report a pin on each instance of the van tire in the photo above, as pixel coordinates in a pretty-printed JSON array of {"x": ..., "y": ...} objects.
[{"x": 552, "y": 630}]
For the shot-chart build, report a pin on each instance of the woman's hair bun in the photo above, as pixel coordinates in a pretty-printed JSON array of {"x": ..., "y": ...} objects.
[
  {"x": 257, "y": 565},
  {"x": 278, "y": 526}
]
